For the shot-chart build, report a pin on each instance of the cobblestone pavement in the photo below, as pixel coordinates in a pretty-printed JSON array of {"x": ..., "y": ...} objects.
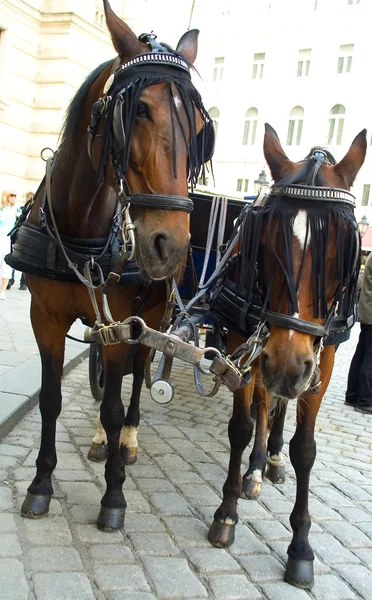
[{"x": 172, "y": 493}]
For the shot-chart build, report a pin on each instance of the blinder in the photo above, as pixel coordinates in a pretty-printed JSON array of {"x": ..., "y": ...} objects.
[
  {"x": 118, "y": 126},
  {"x": 206, "y": 140}
]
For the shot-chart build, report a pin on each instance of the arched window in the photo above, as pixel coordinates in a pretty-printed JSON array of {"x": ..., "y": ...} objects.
[
  {"x": 250, "y": 127},
  {"x": 296, "y": 121},
  {"x": 336, "y": 125},
  {"x": 214, "y": 114}
]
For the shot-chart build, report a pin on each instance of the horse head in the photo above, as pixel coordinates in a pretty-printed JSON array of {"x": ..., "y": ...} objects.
[
  {"x": 148, "y": 139},
  {"x": 308, "y": 259}
]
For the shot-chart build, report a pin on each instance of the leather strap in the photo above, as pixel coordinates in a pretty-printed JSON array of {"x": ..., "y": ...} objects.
[
  {"x": 160, "y": 201},
  {"x": 290, "y": 322}
]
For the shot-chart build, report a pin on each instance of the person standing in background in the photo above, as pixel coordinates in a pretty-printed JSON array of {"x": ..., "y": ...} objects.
[
  {"x": 359, "y": 384},
  {"x": 22, "y": 283},
  {"x": 8, "y": 211}
]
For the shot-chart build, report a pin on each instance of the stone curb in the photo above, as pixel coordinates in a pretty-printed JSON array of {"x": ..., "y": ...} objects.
[{"x": 20, "y": 386}]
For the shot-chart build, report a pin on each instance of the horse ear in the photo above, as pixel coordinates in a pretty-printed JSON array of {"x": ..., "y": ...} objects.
[
  {"x": 188, "y": 45},
  {"x": 349, "y": 166},
  {"x": 275, "y": 156},
  {"x": 125, "y": 41}
]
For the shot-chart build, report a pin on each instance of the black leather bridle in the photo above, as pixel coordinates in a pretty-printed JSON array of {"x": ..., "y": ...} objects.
[
  {"x": 156, "y": 65},
  {"x": 331, "y": 323}
]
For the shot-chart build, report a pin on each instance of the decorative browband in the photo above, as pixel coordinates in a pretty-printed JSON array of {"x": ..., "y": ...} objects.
[
  {"x": 315, "y": 193},
  {"x": 153, "y": 58}
]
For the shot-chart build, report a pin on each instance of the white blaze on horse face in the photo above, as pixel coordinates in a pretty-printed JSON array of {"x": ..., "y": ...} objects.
[
  {"x": 294, "y": 316},
  {"x": 299, "y": 230},
  {"x": 177, "y": 101}
]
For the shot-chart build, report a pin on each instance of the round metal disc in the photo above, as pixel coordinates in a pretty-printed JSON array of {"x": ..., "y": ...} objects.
[
  {"x": 108, "y": 83},
  {"x": 161, "y": 391}
]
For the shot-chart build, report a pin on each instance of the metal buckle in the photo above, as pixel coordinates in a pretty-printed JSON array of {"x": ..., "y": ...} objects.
[{"x": 127, "y": 230}]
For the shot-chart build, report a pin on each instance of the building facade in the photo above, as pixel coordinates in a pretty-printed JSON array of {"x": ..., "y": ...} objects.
[
  {"x": 298, "y": 65},
  {"x": 47, "y": 47}
]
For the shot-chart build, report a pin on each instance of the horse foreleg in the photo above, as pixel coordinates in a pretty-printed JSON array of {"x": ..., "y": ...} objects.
[
  {"x": 252, "y": 479},
  {"x": 50, "y": 336},
  {"x": 113, "y": 504},
  {"x": 275, "y": 470},
  {"x": 128, "y": 438},
  {"x": 222, "y": 530},
  {"x": 302, "y": 451}
]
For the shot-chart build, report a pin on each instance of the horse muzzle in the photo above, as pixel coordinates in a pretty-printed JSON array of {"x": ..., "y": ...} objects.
[
  {"x": 158, "y": 255},
  {"x": 285, "y": 377}
]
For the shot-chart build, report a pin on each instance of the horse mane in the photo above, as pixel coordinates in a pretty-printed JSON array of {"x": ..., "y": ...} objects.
[{"x": 72, "y": 116}]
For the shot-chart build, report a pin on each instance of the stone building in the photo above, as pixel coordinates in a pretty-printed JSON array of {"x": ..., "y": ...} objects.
[
  {"x": 46, "y": 49},
  {"x": 300, "y": 66}
]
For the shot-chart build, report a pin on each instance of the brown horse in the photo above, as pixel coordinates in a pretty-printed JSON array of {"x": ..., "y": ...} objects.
[
  {"x": 298, "y": 259},
  {"x": 134, "y": 130}
]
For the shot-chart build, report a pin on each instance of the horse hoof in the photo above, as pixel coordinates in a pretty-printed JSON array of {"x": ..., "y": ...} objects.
[
  {"x": 98, "y": 452},
  {"x": 35, "y": 506},
  {"x": 299, "y": 572},
  {"x": 129, "y": 455},
  {"x": 275, "y": 474},
  {"x": 110, "y": 519},
  {"x": 221, "y": 535},
  {"x": 251, "y": 489}
]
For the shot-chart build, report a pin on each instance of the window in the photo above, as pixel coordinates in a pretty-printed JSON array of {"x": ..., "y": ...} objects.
[
  {"x": 242, "y": 185},
  {"x": 250, "y": 127},
  {"x": 203, "y": 180},
  {"x": 214, "y": 114},
  {"x": 258, "y": 65},
  {"x": 365, "y": 197},
  {"x": 218, "y": 68},
  {"x": 296, "y": 121},
  {"x": 303, "y": 64},
  {"x": 345, "y": 58},
  {"x": 336, "y": 125}
]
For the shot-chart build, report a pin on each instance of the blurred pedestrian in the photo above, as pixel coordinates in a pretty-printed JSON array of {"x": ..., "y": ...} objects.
[
  {"x": 8, "y": 211},
  {"x": 359, "y": 384},
  {"x": 22, "y": 283}
]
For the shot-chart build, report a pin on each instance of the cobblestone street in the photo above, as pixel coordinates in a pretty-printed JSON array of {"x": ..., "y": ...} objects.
[{"x": 172, "y": 493}]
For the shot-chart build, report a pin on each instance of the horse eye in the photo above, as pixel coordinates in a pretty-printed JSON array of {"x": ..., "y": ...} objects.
[{"x": 143, "y": 110}]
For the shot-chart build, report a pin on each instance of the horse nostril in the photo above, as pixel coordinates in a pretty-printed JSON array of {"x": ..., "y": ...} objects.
[
  {"x": 308, "y": 368},
  {"x": 160, "y": 245}
]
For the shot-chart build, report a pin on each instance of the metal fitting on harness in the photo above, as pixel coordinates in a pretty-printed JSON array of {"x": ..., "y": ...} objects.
[
  {"x": 235, "y": 370},
  {"x": 107, "y": 335}
]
